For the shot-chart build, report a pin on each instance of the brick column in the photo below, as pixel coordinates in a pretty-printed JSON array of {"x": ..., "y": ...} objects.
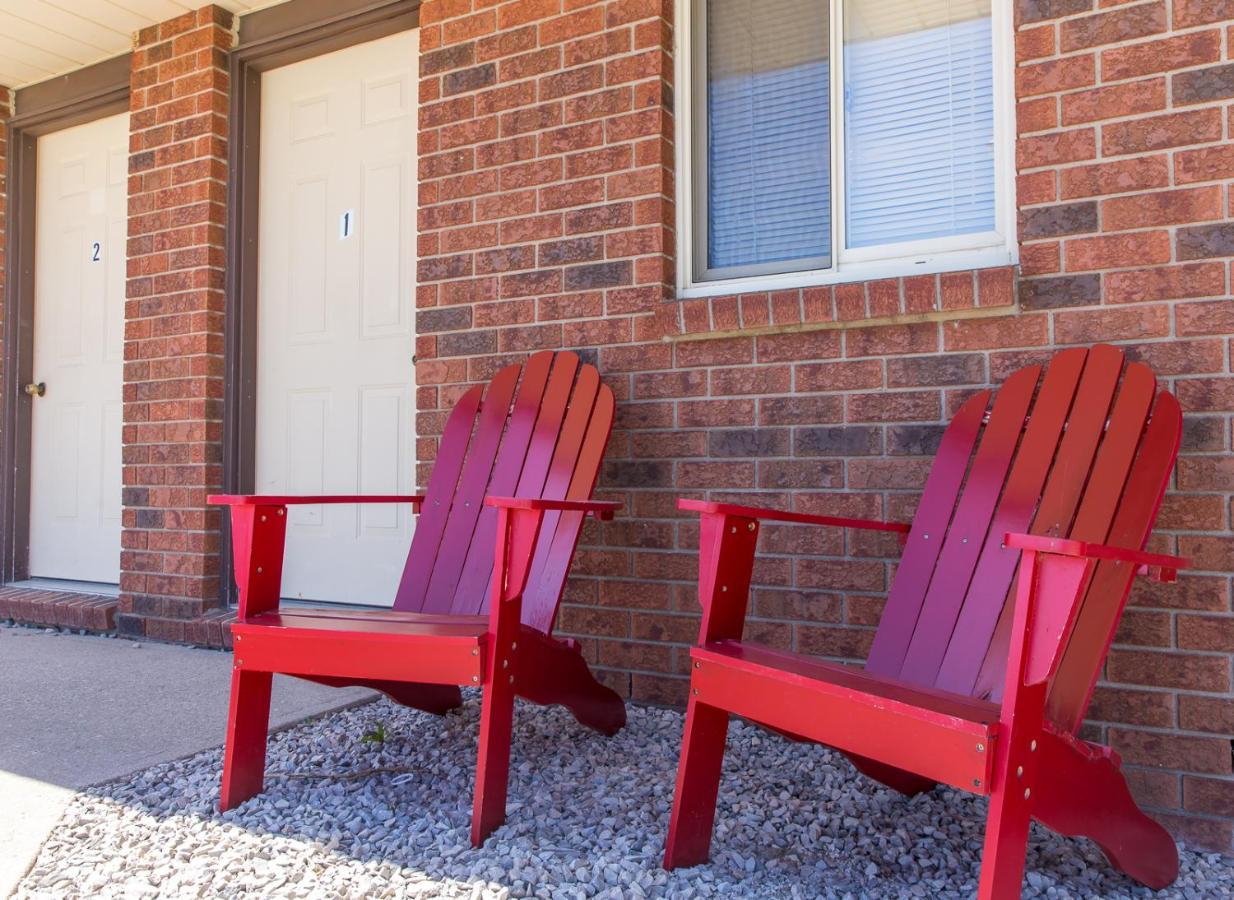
[{"x": 173, "y": 377}]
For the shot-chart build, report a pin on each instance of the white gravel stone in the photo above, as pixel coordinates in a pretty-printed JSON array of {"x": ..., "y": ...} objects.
[{"x": 342, "y": 818}]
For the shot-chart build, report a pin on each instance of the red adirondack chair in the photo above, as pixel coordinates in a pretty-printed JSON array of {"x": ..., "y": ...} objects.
[
  {"x": 968, "y": 682},
  {"x": 515, "y": 470}
]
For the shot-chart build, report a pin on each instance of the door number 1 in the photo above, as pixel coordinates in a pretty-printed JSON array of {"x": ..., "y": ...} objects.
[{"x": 346, "y": 224}]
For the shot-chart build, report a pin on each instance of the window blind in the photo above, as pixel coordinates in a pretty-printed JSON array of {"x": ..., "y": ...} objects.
[
  {"x": 768, "y": 132},
  {"x": 919, "y": 134}
]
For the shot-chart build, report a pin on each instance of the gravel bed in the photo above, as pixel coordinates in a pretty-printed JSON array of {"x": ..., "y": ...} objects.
[{"x": 587, "y": 817}]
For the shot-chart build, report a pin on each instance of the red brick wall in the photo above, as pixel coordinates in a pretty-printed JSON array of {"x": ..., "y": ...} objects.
[
  {"x": 547, "y": 184},
  {"x": 174, "y": 323}
]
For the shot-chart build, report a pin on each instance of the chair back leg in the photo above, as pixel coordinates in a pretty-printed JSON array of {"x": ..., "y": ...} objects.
[
  {"x": 1087, "y": 795},
  {"x": 248, "y": 720},
  {"x": 698, "y": 785}
]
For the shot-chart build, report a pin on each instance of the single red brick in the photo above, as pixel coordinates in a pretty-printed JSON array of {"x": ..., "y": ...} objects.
[
  {"x": 1169, "y": 283},
  {"x": 520, "y": 12},
  {"x": 1164, "y": 750},
  {"x": 1034, "y": 43},
  {"x": 1214, "y": 714},
  {"x": 1205, "y": 164},
  {"x": 1197, "y": 126},
  {"x": 573, "y": 25},
  {"x": 1082, "y": 254},
  {"x": 1056, "y": 75},
  {"x": 1200, "y": 12},
  {"x": 958, "y": 290},
  {"x": 1038, "y": 114},
  {"x": 996, "y": 287},
  {"x": 1096, "y": 325},
  {"x": 1131, "y": 707},
  {"x": 1177, "y": 52},
  {"x": 1055, "y": 148},
  {"x": 1115, "y": 177},
  {"x": 1114, "y": 101},
  {"x": 1023, "y": 330},
  {"x": 1114, "y": 26},
  {"x": 1162, "y": 208},
  {"x": 1040, "y": 258}
]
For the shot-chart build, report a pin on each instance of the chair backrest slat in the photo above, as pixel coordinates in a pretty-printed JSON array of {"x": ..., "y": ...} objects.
[
  {"x": 468, "y": 501},
  {"x": 438, "y": 498},
  {"x": 1104, "y": 493},
  {"x": 920, "y": 555},
  {"x": 544, "y": 595},
  {"x": 473, "y": 580},
  {"x": 1110, "y": 585},
  {"x": 1069, "y": 457},
  {"x": 1073, "y": 380},
  {"x": 541, "y": 435},
  {"x": 963, "y": 540},
  {"x": 573, "y": 460}
]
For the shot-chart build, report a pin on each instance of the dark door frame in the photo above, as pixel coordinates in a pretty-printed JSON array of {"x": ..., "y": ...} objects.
[
  {"x": 270, "y": 38},
  {"x": 82, "y": 96}
]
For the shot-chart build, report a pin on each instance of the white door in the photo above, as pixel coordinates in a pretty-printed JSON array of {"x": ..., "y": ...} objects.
[
  {"x": 335, "y": 333},
  {"x": 80, "y": 234}
]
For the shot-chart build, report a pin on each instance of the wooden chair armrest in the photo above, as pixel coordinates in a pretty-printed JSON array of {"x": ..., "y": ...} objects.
[
  {"x": 1155, "y": 565},
  {"x": 277, "y": 500},
  {"x": 601, "y": 509},
  {"x": 774, "y": 515}
]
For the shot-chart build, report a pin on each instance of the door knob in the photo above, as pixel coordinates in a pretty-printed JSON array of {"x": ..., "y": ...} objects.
[{"x": 36, "y": 390}]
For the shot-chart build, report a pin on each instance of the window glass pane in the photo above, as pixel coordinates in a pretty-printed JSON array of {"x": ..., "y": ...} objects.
[
  {"x": 919, "y": 120},
  {"x": 768, "y": 133}
]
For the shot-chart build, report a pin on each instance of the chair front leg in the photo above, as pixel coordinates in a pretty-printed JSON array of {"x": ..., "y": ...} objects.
[
  {"x": 257, "y": 534},
  {"x": 1044, "y": 598},
  {"x": 517, "y": 530},
  {"x": 1016, "y": 753},
  {"x": 725, "y": 568},
  {"x": 698, "y": 785},
  {"x": 248, "y": 718}
]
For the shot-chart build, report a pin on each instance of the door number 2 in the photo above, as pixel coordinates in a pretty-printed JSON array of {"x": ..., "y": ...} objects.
[
  {"x": 346, "y": 224},
  {"x": 96, "y": 252}
]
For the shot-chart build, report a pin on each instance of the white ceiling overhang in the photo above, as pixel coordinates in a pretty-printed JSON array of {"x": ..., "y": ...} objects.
[{"x": 41, "y": 39}]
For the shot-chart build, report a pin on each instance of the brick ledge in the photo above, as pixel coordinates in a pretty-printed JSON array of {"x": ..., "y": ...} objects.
[{"x": 59, "y": 609}]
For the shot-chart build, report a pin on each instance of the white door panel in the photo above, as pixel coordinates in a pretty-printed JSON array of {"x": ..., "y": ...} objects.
[
  {"x": 80, "y": 234},
  {"x": 335, "y": 393}
]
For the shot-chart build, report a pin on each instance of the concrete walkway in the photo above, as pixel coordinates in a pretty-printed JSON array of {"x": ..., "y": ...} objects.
[{"x": 76, "y": 711}]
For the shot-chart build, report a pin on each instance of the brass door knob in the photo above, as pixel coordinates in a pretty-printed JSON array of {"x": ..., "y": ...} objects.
[{"x": 36, "y": 390}]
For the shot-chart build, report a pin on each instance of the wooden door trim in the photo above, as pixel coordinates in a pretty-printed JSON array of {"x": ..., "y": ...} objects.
[
  {"x": 270, "y": 38},
  {"x": 90, "y": 93}
]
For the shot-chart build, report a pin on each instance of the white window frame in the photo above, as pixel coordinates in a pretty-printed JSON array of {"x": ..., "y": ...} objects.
[{"x": 925, "y": 257}]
